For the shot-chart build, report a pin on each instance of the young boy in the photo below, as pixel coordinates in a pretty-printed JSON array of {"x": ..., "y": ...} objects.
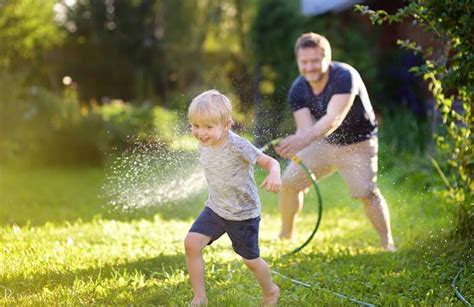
[{"x": 233, "y": 205}]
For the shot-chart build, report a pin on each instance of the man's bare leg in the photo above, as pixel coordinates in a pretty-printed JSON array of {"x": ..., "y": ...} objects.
[
  {"x": 377, "y": 211},
  {"x": 290, "y": 203}
]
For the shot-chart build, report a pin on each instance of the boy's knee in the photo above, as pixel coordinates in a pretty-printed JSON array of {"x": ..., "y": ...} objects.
[
  {"x": 193, "y": 244},
  {"x": 188, "y": 244}
]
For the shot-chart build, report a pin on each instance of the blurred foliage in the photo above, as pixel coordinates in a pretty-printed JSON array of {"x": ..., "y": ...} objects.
[
  {"x": 404, "y": 133},
  {"x": 151, "y": 49},
  {"x": 27, "y": 29},
  {"x": 154, "y": 54},
  {"x": 273, "y": 48},
  {"x": 449, "y": 72},
  {"x": 135, "y": 50},
  {"x": 136, "y": 64},
  {"x": 126, "y": 123},
  {"x": 40, "y": 127},
  {"x": 28, "y": 37}
]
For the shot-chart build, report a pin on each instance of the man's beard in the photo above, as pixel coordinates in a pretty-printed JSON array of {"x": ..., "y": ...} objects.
[{"x": 315, "y": 77}]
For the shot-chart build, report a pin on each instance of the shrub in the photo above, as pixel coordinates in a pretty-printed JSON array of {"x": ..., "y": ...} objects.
[
  {"x": 451, "y": 80},
  {"x": 39, "y": 127},
  {"x": 404, "y": 133}
]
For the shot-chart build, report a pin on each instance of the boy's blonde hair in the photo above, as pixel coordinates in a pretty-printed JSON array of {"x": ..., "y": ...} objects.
[{"x": 210, "y": 107}]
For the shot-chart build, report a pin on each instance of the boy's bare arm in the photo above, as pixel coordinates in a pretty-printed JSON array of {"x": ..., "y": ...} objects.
[{"x": 273, "y": 180}]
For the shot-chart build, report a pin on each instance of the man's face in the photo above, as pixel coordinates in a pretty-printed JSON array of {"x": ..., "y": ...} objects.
[{"x": 312, "y": 63}]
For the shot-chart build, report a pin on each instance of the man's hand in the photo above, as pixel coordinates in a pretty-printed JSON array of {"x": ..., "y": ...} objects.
[{"x": 292, "y": 144}]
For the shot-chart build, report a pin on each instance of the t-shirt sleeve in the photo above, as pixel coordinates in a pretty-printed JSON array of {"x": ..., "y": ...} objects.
[
  {"x": 296, "y": 97},
  {"x": 247, "y": 150},
  {"x": 344, "y": 83}
]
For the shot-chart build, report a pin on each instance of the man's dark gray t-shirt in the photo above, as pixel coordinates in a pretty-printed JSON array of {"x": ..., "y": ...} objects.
[
  {"x": 229, "y": 172},
  {"x": 360, "y": 123}
]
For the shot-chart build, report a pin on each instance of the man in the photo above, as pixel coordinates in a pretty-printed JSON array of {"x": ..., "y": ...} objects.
[{"x": 336, "y": 130}]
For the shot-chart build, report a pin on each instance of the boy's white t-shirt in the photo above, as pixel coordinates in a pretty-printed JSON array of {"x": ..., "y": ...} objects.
[{"x": 229, "y": 172}]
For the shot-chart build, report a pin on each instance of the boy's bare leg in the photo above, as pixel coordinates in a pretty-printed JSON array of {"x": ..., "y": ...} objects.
[
  {"x": 377, "y": 211},
  {"x": 194, "y": 243},
  {"x": 290, "y": 202},
  {"x": 260, "y": 268}
]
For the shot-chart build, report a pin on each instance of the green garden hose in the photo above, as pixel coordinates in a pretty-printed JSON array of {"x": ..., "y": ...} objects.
[
  {"x": 456, "y": 291},
  {"x": 317, "y": 287},
  {"x": 311, "y": 177}
]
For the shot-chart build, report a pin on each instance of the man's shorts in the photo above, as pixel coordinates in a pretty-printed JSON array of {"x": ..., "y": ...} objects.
[
  {"x": 357, "y": 164},
  {"x": 243, "y": 234}
]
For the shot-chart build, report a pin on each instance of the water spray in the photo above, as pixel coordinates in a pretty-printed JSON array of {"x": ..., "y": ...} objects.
[{"x": 132, "y": 182}]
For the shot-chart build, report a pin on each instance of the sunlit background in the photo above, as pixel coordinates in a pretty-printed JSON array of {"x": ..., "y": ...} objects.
[
  {"x": 80, "y": 77},
  {"x": 98, "y": 171}
]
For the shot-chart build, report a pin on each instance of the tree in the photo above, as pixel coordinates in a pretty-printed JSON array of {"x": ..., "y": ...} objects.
[
  {"x": 27, "y": 29},
  {"x": 274, "y": 31},
  {"x": 28, "y": 32}
]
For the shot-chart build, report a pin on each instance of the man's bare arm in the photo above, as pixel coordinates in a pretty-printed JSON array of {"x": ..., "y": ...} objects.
[
  {"x": 337, "y": 110},
  {"x": 308, "y": 131}
]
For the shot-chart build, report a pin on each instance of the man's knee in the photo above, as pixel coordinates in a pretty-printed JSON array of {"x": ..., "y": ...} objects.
[
  {"x": 293, "y": 182},
  {"x": 367, "y": 196}
]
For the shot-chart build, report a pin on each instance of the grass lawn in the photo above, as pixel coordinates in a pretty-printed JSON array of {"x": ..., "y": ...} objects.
[{"x": 61, "y": 246}]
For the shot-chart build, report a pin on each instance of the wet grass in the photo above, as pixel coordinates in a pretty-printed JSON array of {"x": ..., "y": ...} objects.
[{"x": 61, "y": 246}]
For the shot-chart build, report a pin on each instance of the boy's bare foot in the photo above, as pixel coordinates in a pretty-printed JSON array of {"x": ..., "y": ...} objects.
[
  {"x": 271, "y": 299},
  {"x": 198, "y": 302}
]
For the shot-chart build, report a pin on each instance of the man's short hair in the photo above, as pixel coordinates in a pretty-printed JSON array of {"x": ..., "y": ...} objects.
[
  {"x": 313, "y": 40},
  {"x": 210, "y": 107}
]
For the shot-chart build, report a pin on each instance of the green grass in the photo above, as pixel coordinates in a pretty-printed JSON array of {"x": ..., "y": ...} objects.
[{"x": 60, "y": 246}]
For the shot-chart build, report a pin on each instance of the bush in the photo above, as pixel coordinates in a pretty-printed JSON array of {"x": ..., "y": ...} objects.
[
  {"x": 404, "y": 133},
  {"x": 450, "y": 77},
  {"x": 39, "y": 127}
]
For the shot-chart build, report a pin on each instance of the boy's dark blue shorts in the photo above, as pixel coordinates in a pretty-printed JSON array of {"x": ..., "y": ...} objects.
[{"x": 243, "y": 234}]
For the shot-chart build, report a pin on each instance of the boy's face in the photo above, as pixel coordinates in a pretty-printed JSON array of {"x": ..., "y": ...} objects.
[{"x": 210, "y": 134}]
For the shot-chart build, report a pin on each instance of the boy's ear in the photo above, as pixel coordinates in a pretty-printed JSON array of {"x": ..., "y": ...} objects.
[{"x": 229, "y": 124}]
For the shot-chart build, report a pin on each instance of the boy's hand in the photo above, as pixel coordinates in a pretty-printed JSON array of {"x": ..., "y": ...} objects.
[{"x": 272, "y": 182}]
